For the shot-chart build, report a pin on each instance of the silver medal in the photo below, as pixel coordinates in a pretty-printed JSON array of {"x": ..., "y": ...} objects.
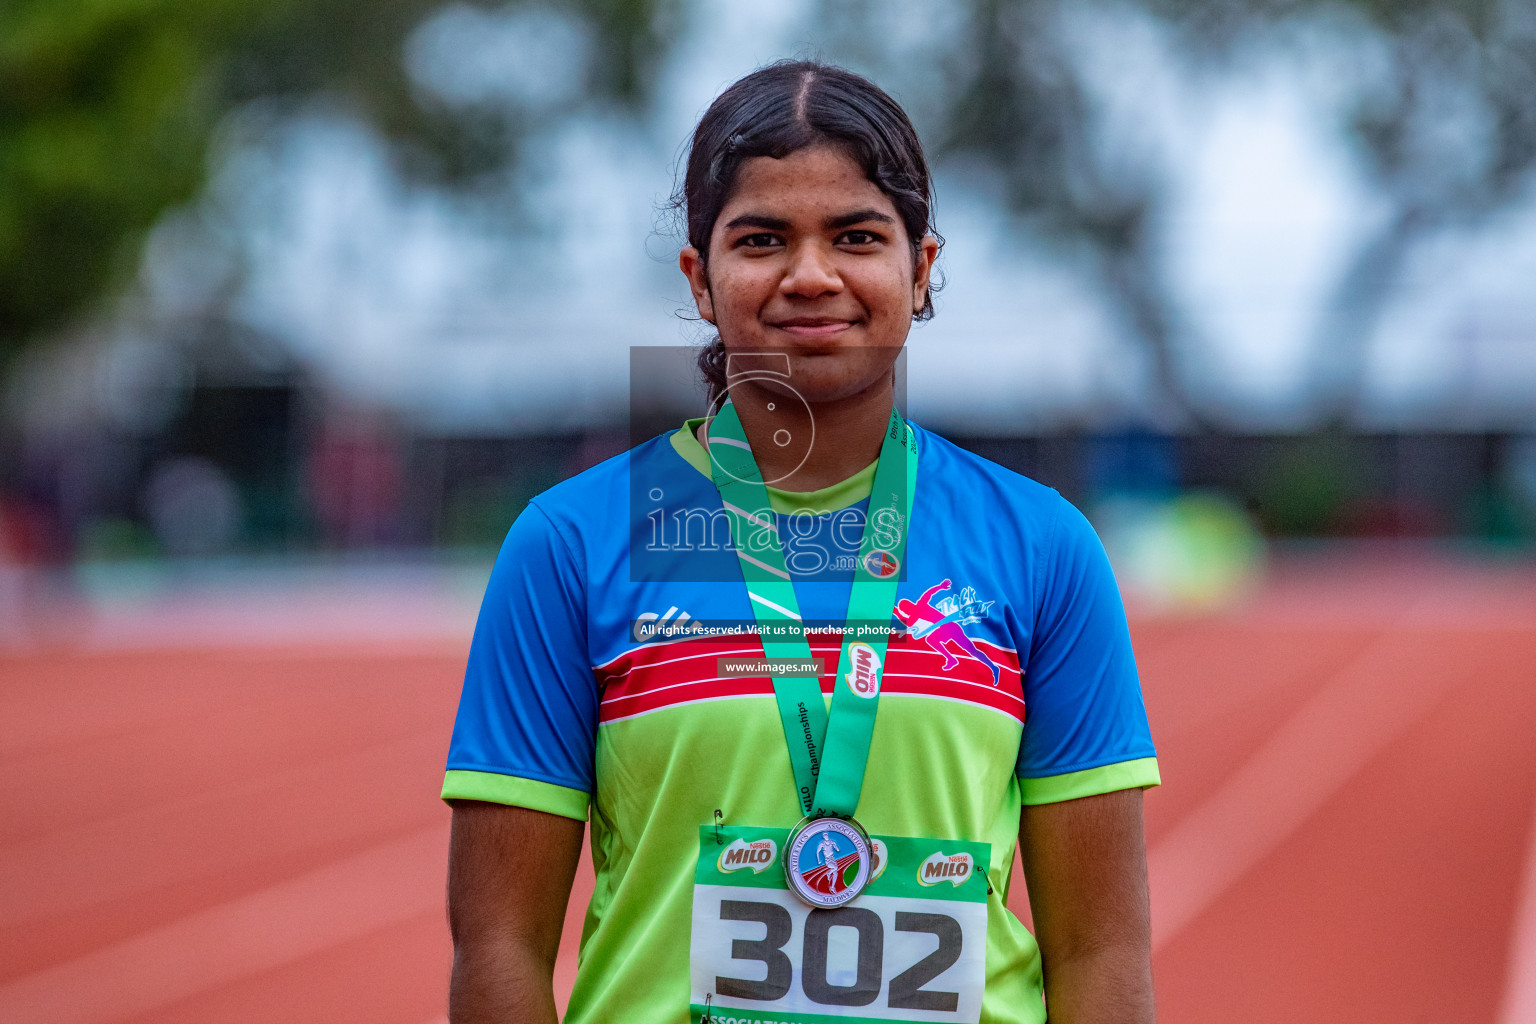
[{"x": 828, "y": 861}]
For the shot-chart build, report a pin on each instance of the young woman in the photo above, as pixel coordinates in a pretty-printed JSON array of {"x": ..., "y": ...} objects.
[{"x": 810, "y": 671}]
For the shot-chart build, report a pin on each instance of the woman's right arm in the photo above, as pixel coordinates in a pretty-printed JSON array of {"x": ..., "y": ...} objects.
[{"x": 509, "y": 879}]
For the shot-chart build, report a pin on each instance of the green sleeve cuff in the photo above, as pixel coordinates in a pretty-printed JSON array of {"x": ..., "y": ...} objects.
[
  {"x": 519, "y": 792},
  {"x": 1138, "y": 774}
]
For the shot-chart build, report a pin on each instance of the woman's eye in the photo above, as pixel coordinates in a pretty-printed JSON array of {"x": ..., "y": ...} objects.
[
  {"x": 859, "y": 238},
  {"x": 758, "y": 241}
]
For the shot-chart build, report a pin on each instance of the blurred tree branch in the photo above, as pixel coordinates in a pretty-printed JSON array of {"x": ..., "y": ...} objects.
[
  {"x": 1025, "y": 112},
  {"x": 1020, "y": 106},
  {"x": 1470, "y": 61},
  {"x": 1445, "y": 139}
]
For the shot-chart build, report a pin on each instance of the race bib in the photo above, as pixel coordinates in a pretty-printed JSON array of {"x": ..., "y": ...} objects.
[{"x": 911, "y": 947}]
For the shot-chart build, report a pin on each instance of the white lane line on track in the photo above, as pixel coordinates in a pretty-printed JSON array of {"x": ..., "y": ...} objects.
[
  {"x": 343, "y": 900},
  {"x": 1383, "y": 691},
  {"x": 1520, "y": 980}
]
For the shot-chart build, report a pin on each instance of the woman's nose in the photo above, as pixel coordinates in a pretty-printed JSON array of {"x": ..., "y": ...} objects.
[{"x": 811, "y": 273}]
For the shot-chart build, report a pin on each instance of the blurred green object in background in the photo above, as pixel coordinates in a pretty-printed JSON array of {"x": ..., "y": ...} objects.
[
  {"x": 105, "y": 113},
  {"x": 1196, "y": 552},
  {"x": 1305, "y": 485},
  {"x": 110, "y": 111}
]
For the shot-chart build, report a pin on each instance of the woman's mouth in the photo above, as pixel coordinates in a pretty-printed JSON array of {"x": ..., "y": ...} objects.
[{"x": 813, "y": 326}]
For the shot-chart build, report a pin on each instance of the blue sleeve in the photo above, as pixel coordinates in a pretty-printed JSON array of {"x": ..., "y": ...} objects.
[
  {"x": 527, "y": 718},
  {"x": 1082, "y": 698}
]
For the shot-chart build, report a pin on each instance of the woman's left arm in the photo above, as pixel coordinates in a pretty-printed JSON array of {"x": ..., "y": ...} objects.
[{"x": 1085, "y": 864}]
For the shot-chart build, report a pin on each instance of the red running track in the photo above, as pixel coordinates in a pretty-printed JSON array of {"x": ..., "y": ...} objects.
[{"x": 194, "y": 833}]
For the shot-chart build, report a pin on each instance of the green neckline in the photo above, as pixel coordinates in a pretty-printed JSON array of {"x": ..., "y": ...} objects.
[{"x": 828, "y": 499}]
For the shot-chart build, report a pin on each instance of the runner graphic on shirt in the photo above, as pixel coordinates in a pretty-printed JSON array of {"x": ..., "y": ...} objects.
[{"x": 939, "y": 623}]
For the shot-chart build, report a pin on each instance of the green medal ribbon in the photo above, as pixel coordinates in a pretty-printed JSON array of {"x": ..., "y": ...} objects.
[{"x": 828, "y": 753}]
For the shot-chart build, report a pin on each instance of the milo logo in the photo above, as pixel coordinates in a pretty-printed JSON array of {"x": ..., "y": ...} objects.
[
  {"x": 953, "y": 868},
  {"x": 757, "y": 855},
  {"x": 864, "y": 670}
]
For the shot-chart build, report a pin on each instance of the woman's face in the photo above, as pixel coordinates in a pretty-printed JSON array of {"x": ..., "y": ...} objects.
[{"x": 809, "y": 257}]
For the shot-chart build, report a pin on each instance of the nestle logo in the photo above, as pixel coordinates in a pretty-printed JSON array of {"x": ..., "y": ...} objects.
[
  {"x": 953, "y": 868},
  {"x": 756, "y": 855}
]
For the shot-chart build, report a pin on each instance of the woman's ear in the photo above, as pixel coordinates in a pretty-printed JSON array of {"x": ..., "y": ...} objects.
[
  {"x": 691, "y": 262},
  {"x": 927, "y": 252}
]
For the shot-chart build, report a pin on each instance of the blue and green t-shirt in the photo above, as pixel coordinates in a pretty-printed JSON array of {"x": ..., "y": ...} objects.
[{"x": 593, "y": 689}]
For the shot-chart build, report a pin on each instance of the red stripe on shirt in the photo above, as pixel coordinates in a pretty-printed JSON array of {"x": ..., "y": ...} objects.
[{"x": 684, "y": 671}]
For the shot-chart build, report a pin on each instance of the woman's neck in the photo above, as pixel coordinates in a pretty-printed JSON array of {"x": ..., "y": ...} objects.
[{"x": 800, "y": 447}]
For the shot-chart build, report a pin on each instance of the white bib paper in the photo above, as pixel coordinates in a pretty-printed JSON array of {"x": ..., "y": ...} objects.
[{"x": 911, "y": 947}]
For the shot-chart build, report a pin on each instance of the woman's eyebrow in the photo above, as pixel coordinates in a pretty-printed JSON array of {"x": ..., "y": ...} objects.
[
  {"x": 757, "y": 220},
  {"x": 844, "y": 220}
]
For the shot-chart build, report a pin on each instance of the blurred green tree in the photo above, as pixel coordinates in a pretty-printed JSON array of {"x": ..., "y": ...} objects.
[
  {"x": 108, "y": 110},
  {"x": 105, "y": 111}
]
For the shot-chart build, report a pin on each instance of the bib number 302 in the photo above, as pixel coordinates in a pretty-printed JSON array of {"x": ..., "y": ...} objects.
[{"x": 758, "y": 954}]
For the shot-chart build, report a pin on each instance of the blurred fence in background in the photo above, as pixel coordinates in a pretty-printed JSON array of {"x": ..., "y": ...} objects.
[{"x": 269, "y": 470}]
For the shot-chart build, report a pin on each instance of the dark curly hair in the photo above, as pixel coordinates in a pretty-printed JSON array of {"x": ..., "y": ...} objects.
[{"x": 785, "y": 107}]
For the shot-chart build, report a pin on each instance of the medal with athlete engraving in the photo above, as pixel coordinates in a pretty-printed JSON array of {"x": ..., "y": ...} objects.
[
  {"x": 828, "y": 858},
  {"x": 828, "y": 861}
]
